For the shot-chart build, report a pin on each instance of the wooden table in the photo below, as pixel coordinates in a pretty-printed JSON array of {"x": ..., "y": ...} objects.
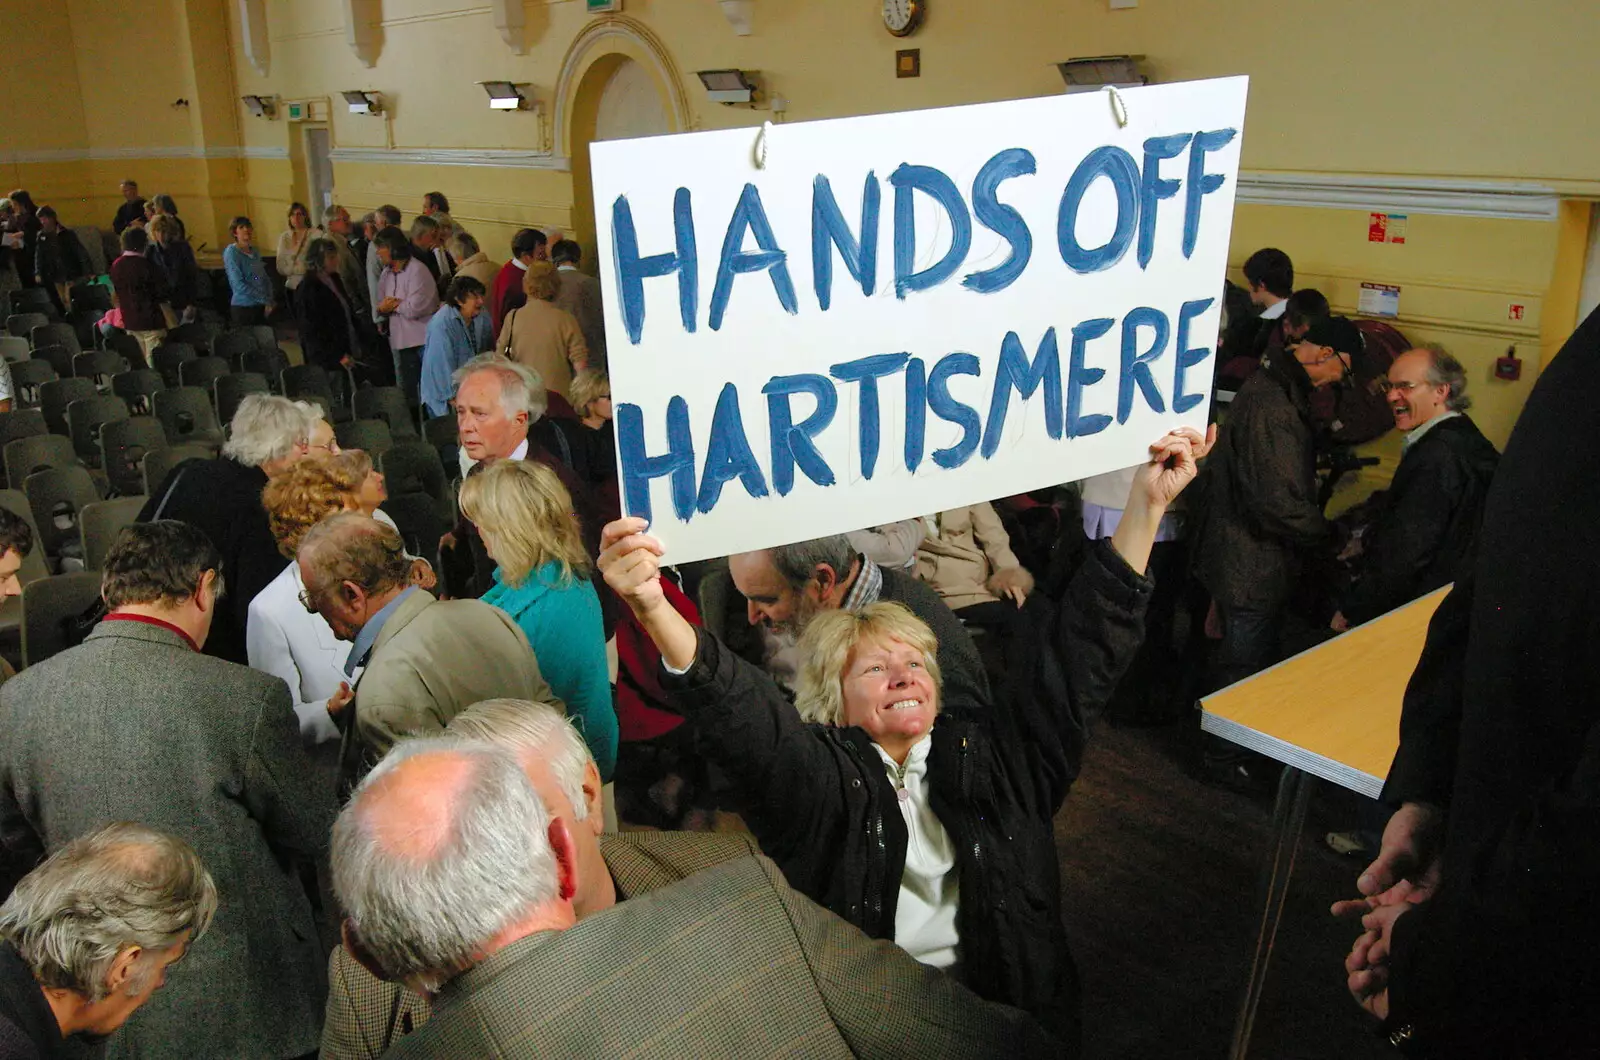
[{"x": 1331, "y": 712}]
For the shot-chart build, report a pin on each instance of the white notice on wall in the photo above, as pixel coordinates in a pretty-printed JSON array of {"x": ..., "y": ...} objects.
[
  {"x": 906, "y": 313},
  {"x": 1379, "y": 300}
]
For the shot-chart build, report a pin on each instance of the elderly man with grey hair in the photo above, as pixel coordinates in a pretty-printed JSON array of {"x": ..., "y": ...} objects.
[
  {"x": 781, "y": 589},
  {"x": 499, "y": 408},
  {"x": 728, "y": 962},
  {"x": 1421, "y": 533},
  {"x": 423, "y": 660},
  {"x": 337, "y": 224},
  {"x": 222, "y": 496},
  {"x": 89, "y": 935}
]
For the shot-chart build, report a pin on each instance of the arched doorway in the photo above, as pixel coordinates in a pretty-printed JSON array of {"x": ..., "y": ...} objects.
[{"x": 617, "y": 83}]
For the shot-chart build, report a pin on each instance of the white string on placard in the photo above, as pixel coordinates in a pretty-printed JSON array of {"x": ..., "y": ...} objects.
[
  {"x": 1119, "y": 109},
  {"x": 762, "y": 138}
]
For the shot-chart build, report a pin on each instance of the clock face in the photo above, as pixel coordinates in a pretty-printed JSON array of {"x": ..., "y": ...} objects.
[{"x": 902, "y": 17}]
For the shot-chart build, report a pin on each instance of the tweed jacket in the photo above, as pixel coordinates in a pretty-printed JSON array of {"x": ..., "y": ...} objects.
[
  {"x": 433, "y": 660},
  {"x": 580, "y": 295},
  {"x": 367, "y": 1015},
  {"x": 728, "y": 963},
  {"x": 132, "y": 725}
]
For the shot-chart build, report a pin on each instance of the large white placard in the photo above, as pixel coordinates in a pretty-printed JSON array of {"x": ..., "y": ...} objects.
[{"x": 906, "y": 313}]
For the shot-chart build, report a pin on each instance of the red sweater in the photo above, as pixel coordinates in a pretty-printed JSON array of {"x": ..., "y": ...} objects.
[
  {"x": 140, "y": 291},
  {"x": 508, "y": 280}
]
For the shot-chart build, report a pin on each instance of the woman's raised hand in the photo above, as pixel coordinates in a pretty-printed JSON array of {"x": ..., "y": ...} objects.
[
  {"x": 630, "y": 560},
  {"x": 1174, "y": 462}
]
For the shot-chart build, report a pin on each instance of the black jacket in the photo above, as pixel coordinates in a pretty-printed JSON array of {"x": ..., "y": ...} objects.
[
  {"x": 222, "y": 497},
  {"x": 1423, "y": 534},
  {"x": 177, "y": 264},
  {"x": 1501, "y": 727},
  {"x": 59, "y": 257},
  {"x": 325, "y": 322},
  {"x": 821, "y": 804},
  {"x": 28, "y": 1028},
  {"x": 1261, "y": 509},
  {"x": 127, "y": 213}
]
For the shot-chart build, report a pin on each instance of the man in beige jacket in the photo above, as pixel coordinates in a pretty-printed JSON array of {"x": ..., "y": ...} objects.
[{"x": 425, "y": 660}]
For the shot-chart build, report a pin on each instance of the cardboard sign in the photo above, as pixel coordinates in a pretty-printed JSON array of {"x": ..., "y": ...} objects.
[{"x": 907, "y": 313}]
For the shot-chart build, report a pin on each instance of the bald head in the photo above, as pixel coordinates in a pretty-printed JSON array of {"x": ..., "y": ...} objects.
[
  {"x": 442, "y": 853},
  {"x": 1424, "y": 384}
]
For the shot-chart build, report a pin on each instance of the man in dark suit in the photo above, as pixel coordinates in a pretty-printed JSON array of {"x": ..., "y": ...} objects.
[
  {"x": 1422, "y": 533},
  {"x": 367, "y": 1015},
  {"x": 132, "y": 208},
  {"x": 762, "y": 601},
  {"x": 729, "y": 962},
  {"x": 1482, "y": 924},
  {"x": 136, "y": 724},
  {"x": 222, "y": 497}
]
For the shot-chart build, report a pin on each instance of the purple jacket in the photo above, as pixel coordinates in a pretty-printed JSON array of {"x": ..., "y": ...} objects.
[{"x": 419, "y": 300}]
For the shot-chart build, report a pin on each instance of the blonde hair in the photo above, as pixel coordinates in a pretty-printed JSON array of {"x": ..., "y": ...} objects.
[
  {"x": 587, "y": 387},
  {"x": 166, "y": 225},
  {"x": 525, "y": 508},
  {"x": 310, "y": 491},
  {"x": 541, "y": 282},
  {"x": 832, "y": 638}
]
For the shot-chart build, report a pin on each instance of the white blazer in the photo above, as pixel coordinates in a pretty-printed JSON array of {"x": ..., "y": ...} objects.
[{"x": 286, "y": 641}]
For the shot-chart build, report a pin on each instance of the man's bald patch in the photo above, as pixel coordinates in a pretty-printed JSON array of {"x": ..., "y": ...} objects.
[{"x": 409, "y": 810}]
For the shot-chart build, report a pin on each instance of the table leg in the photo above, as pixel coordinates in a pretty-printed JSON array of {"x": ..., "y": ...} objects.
[{"x": 1288, "y": 820}]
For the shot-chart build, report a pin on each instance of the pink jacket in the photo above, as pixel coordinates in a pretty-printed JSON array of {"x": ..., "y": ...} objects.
[{"x": 419, "y": 300}]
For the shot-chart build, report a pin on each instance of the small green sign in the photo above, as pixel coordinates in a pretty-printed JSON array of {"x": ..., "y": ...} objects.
[
  {"x": 297, "y": 111},
  {"x": 600, "y": 7}
]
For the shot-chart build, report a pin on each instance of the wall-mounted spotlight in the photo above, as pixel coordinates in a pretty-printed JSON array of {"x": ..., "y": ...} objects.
[
  {"x": 1086, "y": 75},
  {"x": 728, "y": 86},
  {"x": 505, "y": 95},
  {"x": 261, "y": 106},
  {"x": 363, "y": 102}
]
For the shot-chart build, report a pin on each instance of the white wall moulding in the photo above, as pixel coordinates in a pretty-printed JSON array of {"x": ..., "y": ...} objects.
[
  {"x": 253, "y": 30},
  {"x": 115, "y": 154},
  {"x": 511, "y": 21},
  {"x": 1517, "y": 201},
  {"x": 363, "y": 29},
  {"x": 615, "y": 33},
  {"x": 496, "y": 158}
]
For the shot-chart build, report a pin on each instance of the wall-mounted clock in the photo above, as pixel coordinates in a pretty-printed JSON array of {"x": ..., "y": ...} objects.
[{"x": 904, "y": 17}]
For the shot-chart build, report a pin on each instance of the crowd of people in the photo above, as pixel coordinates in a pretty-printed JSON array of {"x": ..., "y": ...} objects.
[{"x": 373, "y": 806}]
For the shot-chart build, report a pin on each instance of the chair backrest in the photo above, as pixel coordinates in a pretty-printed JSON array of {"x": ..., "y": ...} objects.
[
  {"x": 22, "y": 323},
  {"x": 120, "y": 342},
  {"x": 136, "y": 386},
  {"x": 100, "y": 365},
  {"x": 386, "y": 403},
  {"x": 90, "y": 297},
  {"x": 266, "y": 338},
  {"x": 55, "y": 334},
  {"x": 230, "y": 390},
  {"x": 56, "y": 395},
  {"x": 231, "y": 346},
  {"x": 268, "y": 363},
  {"x": 58, "y": 496},
  {"x": 186, "y": 414},
  {"x": 420, "y": 524},
  {"x": 21, "y": 423},
  {"x": 301, "y": 379},
  {"x": 33, "y": 565},
  {"x": 87, "y": 418},
  {"x": 169, "y": 356},
  {"x": 194, "y": 334},
  {"x": 48, "y": 605},
  {"x": 158, "y": 463},
  {"x": 15, "y": 348},
  {"x": 202, "y": 371},
  {"x": 100, "y": 522},
  {"x": 370, "y": 435},
  {"x": 58, "y": 357},
  {"x": 24, "y": 456},
  {"x": 414, "y": 468},
  {"x": 32, "y": 300},
  {"x": 123, "y": 445},
  {"x": 27, "y": 377},
  {"x": 83, "y": 325}
]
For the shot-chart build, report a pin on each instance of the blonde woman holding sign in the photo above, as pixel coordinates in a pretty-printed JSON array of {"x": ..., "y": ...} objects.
[{"x": 920, "y": 820}]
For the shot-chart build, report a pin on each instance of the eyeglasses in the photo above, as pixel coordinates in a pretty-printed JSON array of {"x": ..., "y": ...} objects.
[
  {"x": 1404, "y": 387},
  {"x": 309, "y": 598},
  {"x": 331, "y": 446}
]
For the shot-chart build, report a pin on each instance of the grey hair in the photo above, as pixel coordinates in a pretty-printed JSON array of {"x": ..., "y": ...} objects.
[
  {"x": 423, "y": 912},
  {"x": 1445, "y": 370},
  {"x": 331, "y": 212},
  {"x": 797, "y": 564},
  {"x": 268, "y": 427},
  {"x": 522, "y": 726},
  {"x": 125, "y": 885},
  {"x": 521, "y": 388},
  {"x": 423, "y": 224},
  {"x": 463, "y": 244}
]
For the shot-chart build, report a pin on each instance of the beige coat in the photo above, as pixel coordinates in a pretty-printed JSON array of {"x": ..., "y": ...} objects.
[
  {"x": 480, "y": 268},
  {"x": 971, "y": 546},
  {"x": 546, "y": 339}
]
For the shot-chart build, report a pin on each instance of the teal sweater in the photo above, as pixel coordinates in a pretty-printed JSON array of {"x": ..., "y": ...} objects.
[{"x": 562, "y": 620}]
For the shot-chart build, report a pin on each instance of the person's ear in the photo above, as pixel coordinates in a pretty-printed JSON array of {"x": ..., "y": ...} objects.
[
  {"x": 208, "y": 580},
  {"x": 594, "y": 798},
  {"x": 566, "y": 852},
  {"x": 121, "y": 971},
  {"x": 826, "y": 578},
  {"x": 358, "y": 952}
]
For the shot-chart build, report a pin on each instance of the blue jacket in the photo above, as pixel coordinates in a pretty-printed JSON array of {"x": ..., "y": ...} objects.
[
  {"x": 451, "y": 343},
  {"x": 562, "y": 621},
  {"x": 247, "y": 276}
]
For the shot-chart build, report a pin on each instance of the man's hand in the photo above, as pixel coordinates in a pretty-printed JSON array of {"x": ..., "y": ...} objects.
[
  {"x": 1339, "y": 624},
  {"x": 1174, "y": 462},
  {"x": 1367, "y": 966},
  {"x": 422, "y": 575},
  {"x": 447, "y": 542},
  {"x": 1406, "y": 870},
  {"x": 388, "y": 305},
  {"x": 339, "y": 700},
  {"x": 1013, "y": 582},
  {"x": 630, "y": 559}
]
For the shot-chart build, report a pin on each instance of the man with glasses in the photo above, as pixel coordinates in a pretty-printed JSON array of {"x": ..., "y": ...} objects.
[
  {"x": 1264, "y": 516},
  {"x": 424, "y": 660},
  {"x": 1425, "y": 524},
  {"x": 222, "y": 497}
]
